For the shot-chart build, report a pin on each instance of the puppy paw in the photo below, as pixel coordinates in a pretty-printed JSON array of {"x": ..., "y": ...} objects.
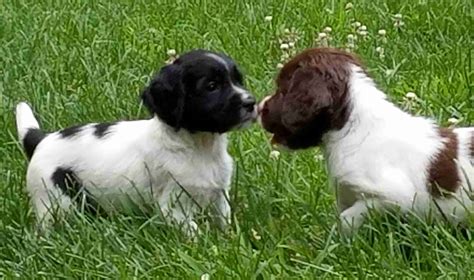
[{"x": 191, "y": 230}]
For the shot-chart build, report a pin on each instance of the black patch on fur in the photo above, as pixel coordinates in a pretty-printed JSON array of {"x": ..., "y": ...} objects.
[
  {"x": 69, "y": 184},
  {"x": 70, "y": 131},
  {"x": 102, "y": 129},
  {"x": 32, "y": 138},
  {"x": 197, "y": 93}
]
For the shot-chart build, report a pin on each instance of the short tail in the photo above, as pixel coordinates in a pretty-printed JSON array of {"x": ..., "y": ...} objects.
[{"x": 29, "y": 132}]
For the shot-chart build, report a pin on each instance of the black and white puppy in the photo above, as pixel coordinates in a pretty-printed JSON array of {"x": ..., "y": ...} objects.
[{"x": 178, "y": 159}]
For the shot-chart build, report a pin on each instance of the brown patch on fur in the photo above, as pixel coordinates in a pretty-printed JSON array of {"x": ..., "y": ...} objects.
[
  {"x": 312, "y": 97},
  {"x": 443, "y": 172}
]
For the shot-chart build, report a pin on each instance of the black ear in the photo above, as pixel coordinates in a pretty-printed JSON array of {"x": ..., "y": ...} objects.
[{"x": 165, "y": 95}]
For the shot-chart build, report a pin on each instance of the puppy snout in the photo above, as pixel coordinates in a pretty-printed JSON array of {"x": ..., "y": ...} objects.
[{"x": 248, "y": 102}]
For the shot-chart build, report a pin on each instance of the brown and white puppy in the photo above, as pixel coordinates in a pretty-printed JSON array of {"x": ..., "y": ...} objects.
[{"x": 378, "y": 155}]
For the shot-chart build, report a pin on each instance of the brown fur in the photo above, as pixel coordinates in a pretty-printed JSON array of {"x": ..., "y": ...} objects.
[
  {"x": 311, "y": 99},
  {"x": 443, "y": 173}
]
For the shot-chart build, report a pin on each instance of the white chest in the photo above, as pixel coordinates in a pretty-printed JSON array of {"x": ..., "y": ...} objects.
[{"x": 201, "y": 172}]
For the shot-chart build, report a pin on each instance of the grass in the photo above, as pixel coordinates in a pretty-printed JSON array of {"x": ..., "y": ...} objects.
[{"x": 83, "y": 61}]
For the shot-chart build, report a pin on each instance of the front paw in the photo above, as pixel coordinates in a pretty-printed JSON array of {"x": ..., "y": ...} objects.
[
  {"x": 351, "y": 220},
  {"x": 347, "y": 227},
  {"x": 191, "y": 230}
]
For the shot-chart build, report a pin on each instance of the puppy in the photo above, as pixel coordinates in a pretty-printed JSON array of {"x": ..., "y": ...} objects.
[
  {"x": 378, "y": 156},
  {"x": 178, "y": 159}
]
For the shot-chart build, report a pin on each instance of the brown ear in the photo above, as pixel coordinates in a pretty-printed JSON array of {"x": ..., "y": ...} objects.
[{"x": 307, "y": 96}]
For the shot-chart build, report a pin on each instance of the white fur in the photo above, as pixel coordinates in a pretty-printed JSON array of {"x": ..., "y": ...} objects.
[
  {"x": 381, "y": 156},
  {"x": 25, "y": 119},
  {"x": 219, "y": 59},
  {"x": 143, "y": 161}
]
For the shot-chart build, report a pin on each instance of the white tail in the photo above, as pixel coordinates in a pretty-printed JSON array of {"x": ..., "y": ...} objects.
[{"x": 24, "y": 120}]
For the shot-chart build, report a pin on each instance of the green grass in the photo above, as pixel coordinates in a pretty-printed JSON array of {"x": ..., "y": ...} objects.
[{"x": 82, "y": 61}]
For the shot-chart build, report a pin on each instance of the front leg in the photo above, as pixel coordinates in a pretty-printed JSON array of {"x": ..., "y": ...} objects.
[
  {"x": 222, "y": 210},
  {"x": 180, "y": 210},
  {"x": 353, "y": 217},
  {"x": 184, "y": 219}
]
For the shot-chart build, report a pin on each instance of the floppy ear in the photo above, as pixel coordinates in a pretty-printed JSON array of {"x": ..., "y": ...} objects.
[
  {"x": 165, "y": 95},
  {"x": 307, "y": 98}
]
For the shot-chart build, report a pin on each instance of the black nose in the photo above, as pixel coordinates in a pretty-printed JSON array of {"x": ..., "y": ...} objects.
[{"x": 249, "y": 103}]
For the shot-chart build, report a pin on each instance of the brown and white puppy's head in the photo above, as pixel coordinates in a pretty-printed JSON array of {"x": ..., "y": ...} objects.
[{"x": 312, "y": 98}]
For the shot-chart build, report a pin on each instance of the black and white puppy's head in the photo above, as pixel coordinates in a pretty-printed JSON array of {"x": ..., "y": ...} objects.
[{"x": 201, "y": 91}]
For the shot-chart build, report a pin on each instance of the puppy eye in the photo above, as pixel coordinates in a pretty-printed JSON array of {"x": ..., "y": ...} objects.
[{"x": 211, "y": 86}]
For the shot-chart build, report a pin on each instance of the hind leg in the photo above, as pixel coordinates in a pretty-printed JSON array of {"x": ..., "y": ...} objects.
[{"x": 49, "y": 204}]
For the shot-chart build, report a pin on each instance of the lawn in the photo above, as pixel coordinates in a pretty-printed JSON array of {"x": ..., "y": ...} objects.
[{"x": 86, "y": 61}]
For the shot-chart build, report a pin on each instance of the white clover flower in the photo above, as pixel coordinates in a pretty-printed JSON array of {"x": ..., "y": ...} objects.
[
  {"x": 318, "y": 157},
  {"x": 171, "y": 52},
  {"x": 327, "y": 29},
  {"x": 284, "y": 46},
  {"x": 323, "y": 39},
  {"x": 411, "y": 95},
  {"x": 453, "y": 121},
  {"x": 398, "y": 24},
  {"x": 363, "y": 33},
  {"x": 380, "y": 51},
  {"x": 351, "y": 41},
  {"x": 363, "y": 28},
  {"x": 205, "y": 276},
  {"x": 349, "y": 6},
  {"x": 279, "y": 65},
  {"x": 215, "y": 250},
  {"x": 382, "y": 32},
  {"x": 268, "y": 18},
  {"x": 152, "y": 30},
  {"x": 275, "y": 154},
  {"x": 398, "y": 21},
  {"x": 291, "y": 44},
  {"x": 356, "y": 24}
]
